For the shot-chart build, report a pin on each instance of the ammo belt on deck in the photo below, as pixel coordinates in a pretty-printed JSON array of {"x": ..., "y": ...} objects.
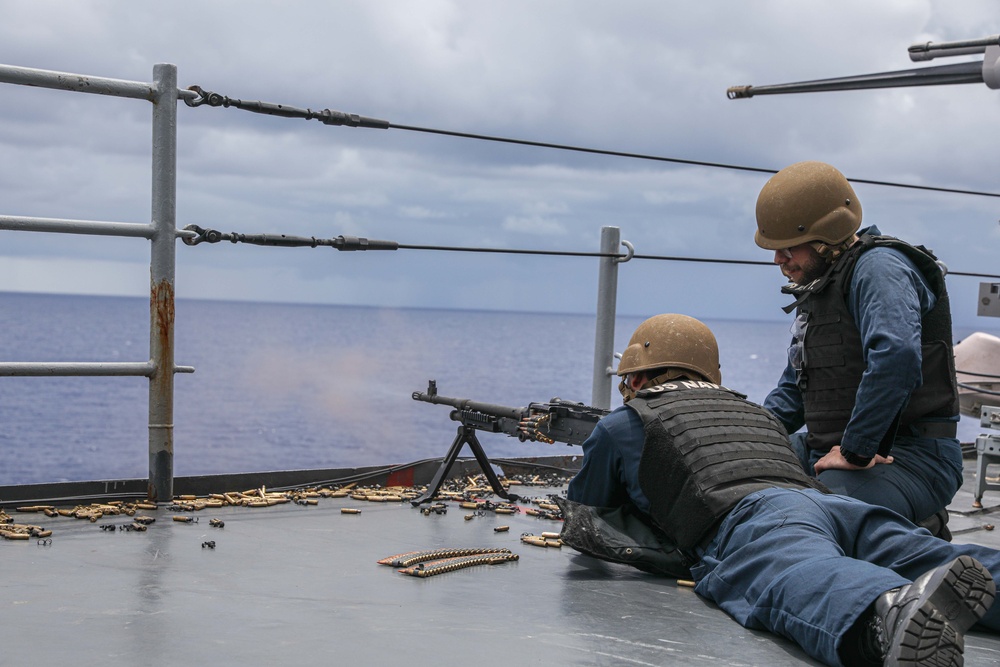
[{"x": 439, "y": 561}]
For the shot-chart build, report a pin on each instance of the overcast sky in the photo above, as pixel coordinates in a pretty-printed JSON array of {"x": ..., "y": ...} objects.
[{"x": 641, "y": 77}]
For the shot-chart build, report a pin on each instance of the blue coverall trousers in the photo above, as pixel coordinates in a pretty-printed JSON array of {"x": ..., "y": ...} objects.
[
  {"x": 806, "y": 565},
  {"x": 922, "y": 480}
]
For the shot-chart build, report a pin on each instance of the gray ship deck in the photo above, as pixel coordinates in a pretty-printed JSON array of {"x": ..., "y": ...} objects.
[{"x": 300, "y": 584}]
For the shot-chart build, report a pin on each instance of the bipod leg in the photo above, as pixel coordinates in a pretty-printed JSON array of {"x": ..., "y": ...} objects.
[
  {"x": 449, "y": 460},
  {"x": 465, "y": 435},
  {"x": 487, "y": 467}
]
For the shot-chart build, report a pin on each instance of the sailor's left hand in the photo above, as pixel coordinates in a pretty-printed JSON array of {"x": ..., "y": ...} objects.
[{"x": 834, "y": 460}]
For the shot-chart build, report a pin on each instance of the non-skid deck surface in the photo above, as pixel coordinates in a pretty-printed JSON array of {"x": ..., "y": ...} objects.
[{"x": 300, "y": 585}]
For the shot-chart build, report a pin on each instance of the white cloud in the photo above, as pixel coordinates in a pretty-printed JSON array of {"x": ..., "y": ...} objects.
[
  {"x": 644, "y": 77},
  {"x": 534, "y": 225}
]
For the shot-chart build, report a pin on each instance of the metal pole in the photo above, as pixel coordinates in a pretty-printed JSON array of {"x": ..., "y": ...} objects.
[
  {"x": 82, "y": 368},
  {"x": 80, "y": 83},
  {"x": 607, "y": 303},
  {"x": 64, "y": 226},
  {"x": 161, "y": 294},
  {"x": 64, "y": 368}
]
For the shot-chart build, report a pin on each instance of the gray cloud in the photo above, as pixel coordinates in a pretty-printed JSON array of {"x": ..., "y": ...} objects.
[{"x": 642, "y": 77}]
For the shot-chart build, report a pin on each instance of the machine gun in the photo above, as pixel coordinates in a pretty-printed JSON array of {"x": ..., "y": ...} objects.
[{"x": 554, "y": 421}]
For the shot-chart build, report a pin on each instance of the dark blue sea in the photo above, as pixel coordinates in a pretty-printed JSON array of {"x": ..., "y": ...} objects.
[{"x": 280, "y": 387}]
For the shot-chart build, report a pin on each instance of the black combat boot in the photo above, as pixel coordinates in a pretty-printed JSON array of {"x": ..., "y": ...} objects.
[{"x": 924, "y": 623}]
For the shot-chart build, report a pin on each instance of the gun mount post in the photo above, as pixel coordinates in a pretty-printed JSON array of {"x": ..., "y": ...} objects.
[{"x": 607, "y": 304}]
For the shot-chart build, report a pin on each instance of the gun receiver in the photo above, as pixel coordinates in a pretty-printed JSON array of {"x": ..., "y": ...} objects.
[{"x": 553, "y": 421}]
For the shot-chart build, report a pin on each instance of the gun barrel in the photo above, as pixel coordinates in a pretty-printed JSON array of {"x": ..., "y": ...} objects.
[
  {"x": 466, "y": 404},
  {"x": 971, "y": 72},
  {"x": 931, "y": 50}
]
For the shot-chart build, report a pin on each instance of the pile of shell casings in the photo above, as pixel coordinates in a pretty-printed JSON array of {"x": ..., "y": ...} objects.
[
  {"x": 466, "y": 490},
  {"x": 20, "y": 531}
]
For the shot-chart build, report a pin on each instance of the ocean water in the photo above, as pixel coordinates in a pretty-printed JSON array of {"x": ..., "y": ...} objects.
[{"x": 280, "y": 387}]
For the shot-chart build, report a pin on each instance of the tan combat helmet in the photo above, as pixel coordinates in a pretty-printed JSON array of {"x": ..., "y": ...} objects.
[
  {"x": 672, "y": 341},
  {"x": 807, "y": 201}
]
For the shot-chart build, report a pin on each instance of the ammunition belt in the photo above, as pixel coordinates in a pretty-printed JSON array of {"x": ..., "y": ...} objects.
[
  {"x": 413, "y": 557},
  {"x": 430, "y": 568}
]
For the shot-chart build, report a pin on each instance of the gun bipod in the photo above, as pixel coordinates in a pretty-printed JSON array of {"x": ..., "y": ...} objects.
[{"x": 466, "y": 435}]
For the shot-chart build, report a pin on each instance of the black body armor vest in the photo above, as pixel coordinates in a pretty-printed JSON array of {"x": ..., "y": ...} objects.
[
  {"x": 833, "y": 361},
  {"x": 706, "y": 448}
]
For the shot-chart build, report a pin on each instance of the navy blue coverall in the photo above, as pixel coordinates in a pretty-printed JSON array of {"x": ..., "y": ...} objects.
[
  {"x": 778, "y": 560},
  {"x": 887, "y": 299}
]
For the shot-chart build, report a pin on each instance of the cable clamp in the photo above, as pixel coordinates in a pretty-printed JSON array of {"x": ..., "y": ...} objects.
[{"x": 621, "y": 259}]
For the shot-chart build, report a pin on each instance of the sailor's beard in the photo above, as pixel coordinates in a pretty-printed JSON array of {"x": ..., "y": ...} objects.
[{"x": 810, "y": 270}]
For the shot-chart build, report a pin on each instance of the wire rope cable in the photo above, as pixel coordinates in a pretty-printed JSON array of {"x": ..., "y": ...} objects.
[{"x": 195, "y": 96}]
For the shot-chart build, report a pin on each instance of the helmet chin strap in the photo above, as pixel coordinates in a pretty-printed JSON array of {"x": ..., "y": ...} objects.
[
  {"x": 832, "y": 251},
  {"x": 626, "y": 391}
]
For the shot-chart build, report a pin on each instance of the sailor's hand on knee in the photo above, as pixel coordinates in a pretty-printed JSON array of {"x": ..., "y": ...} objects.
[
  {"x": 834, "y": 460},
  {"x": 880, "y": 459}
]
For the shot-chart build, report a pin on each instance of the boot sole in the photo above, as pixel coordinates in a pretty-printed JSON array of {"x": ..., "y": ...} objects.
[{"x": 955, "y": 598}]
